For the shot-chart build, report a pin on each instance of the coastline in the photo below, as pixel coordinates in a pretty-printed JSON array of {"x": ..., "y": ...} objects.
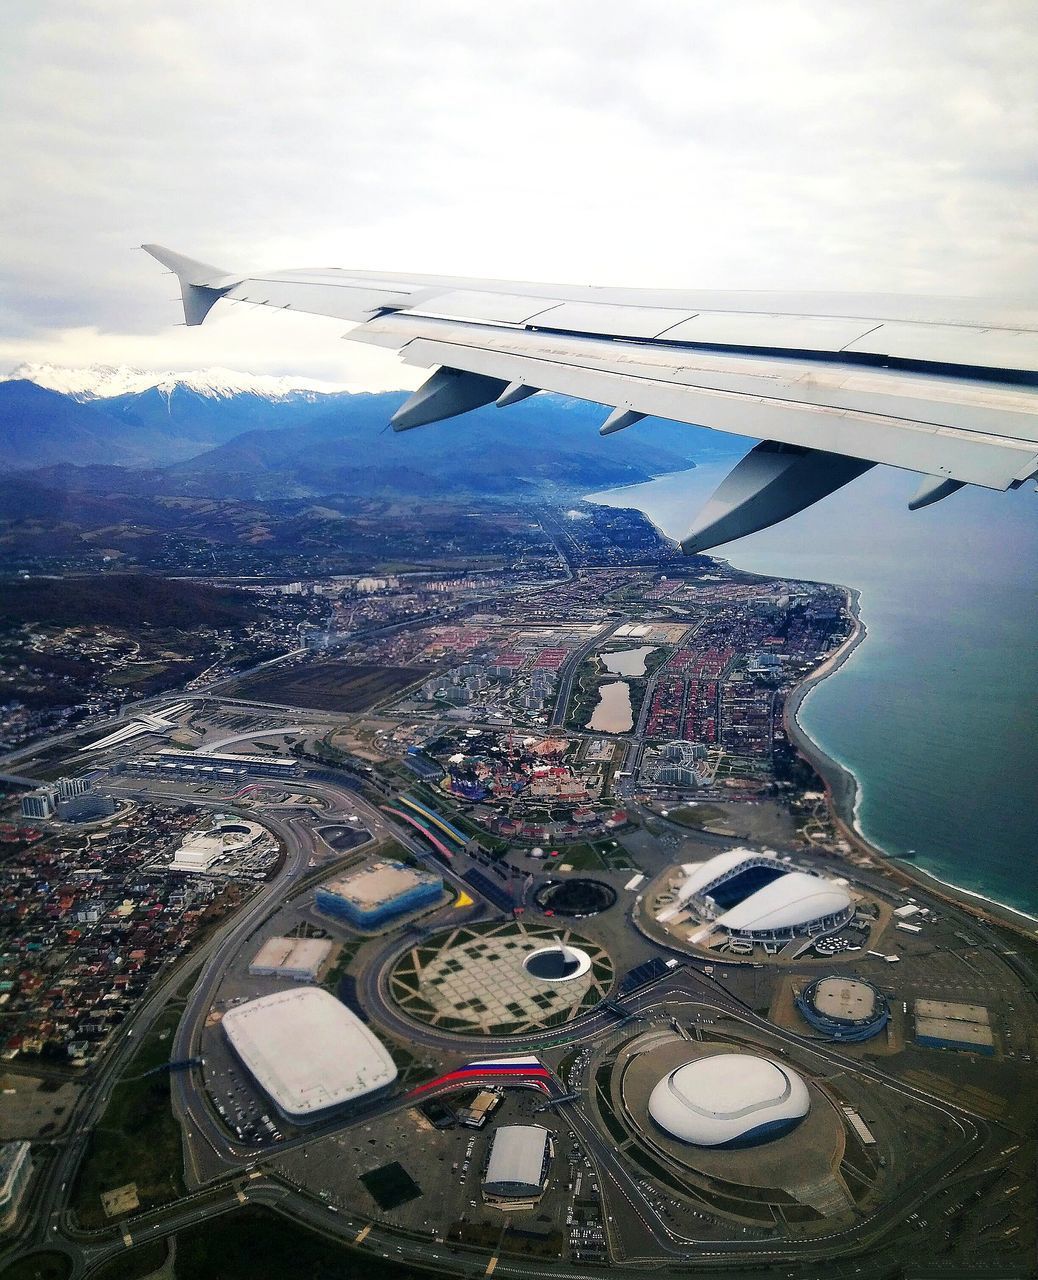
[{"x": 842, "y": 793}]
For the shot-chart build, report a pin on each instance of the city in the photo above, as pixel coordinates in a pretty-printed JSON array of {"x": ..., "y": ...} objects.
[{"x": 427, "y": 932}]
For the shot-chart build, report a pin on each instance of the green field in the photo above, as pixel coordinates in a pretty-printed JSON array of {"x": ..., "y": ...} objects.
[
  {"x": 137, "y": 1139},
  {"x": 698, "y": 816},
  {"x": 595, "y": 857},
  {"x": 329, "y": 686}
]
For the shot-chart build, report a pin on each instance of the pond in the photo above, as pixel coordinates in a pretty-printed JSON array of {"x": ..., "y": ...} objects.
[
  {"x": 627, "y": 662},
  {"x": 613, "y": 713}
]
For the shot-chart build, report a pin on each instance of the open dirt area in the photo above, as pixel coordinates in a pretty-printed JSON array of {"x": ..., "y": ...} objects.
[{"x": 329, "y": 686}]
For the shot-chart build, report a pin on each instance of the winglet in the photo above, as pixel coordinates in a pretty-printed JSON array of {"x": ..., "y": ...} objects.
[{"x": 201, "y": 285}]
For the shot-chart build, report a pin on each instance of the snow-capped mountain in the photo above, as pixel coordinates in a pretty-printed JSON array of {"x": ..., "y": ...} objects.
[{"x": 105, "y": 382}]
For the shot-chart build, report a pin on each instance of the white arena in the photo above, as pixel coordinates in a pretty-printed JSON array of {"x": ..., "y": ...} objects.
[
  {"x": 199, "y": 850},
  {"x": 753, "y": 895},
  {"x": 729, "y": 1100},
  {"x": 308, "y": 1052}
]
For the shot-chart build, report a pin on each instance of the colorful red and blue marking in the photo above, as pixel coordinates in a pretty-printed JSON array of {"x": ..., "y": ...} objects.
[{"x": 521, "y": 1072}]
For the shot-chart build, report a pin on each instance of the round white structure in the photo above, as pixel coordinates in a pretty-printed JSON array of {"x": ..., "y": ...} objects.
[
  {"x": 557, "y": 963},
  {"x": 729, "y": 1100}
]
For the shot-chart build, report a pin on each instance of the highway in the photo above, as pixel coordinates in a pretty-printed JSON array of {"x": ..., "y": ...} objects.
[{"x": 568, "y": 671}]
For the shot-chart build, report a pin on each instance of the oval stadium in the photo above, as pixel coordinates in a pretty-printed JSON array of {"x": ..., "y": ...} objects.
[
  {"x": 729, "y": 1100},
  {"x": 847, "y": 1009},
  {"x": 754, "y": 897}
]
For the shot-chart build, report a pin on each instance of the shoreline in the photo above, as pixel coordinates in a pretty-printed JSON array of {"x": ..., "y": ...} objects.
[
  {"x": 842, "y": 787},
  {"x": 843, "y": 794}
]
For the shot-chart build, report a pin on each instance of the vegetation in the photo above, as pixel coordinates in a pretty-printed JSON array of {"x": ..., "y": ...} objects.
[
  {"x": 342, "y": 962},
  {"x": 137, "y": 1139},
  {"x": 697, "y": 816},
  {"x": 125, "y": 601},
  {"x": 255, "y": 1244},
  {"x": 329, "y": 685},
  {"x": 39, "y": 1266}
]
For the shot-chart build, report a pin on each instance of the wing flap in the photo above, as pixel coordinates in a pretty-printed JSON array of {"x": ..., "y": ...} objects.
[{"x": 974, "y": 457}]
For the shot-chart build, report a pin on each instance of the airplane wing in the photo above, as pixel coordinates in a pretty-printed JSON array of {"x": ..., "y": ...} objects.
[{"x": 829, "y": 384}]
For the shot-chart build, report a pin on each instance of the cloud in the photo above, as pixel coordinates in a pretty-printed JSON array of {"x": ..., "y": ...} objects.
[{"x": 762, "y": 144}]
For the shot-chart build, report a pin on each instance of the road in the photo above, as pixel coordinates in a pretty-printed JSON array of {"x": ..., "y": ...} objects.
[
  {"x": 216, "y": 1166},
  {"x": 568, "y": 671}
]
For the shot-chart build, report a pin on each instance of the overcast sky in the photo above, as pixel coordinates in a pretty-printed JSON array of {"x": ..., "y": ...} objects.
[{"x": 866, "y": 145}]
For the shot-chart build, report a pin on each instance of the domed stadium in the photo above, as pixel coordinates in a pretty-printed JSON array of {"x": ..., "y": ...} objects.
[
  {"x": 738, "y": 1128},
  {"x": 755, "y": 897},
  {"x": 729, "y": 1100}
]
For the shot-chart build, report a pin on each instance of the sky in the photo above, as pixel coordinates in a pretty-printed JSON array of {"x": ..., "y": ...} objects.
[{"x": 773, "y": 144}]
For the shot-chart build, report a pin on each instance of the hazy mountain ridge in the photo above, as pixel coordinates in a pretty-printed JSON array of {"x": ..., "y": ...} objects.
[
  {"x": 103, "y": 381},
  {"x": 200, "y": 436}
]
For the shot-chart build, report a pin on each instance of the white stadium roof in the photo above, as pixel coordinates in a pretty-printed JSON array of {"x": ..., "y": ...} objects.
[
  {"x": 700, "y": 875},
  {"x": 516, "y": 1160},
  {"x": 728, "y": 1098},
  {"x": 792, "y": 900},
  {"x": 308, "y": 1051},
  {"x": 706, "y": 873}
]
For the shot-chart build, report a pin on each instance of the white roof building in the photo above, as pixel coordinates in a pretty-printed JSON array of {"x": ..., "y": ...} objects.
[
  {"x": 701, "y": 876},
  {"x": 197, "y": 853},
  {"x": 793, "y": 902},
  {"x": 729, "y": 1100},
  {"x": 308, "y": 1052},
  {"x": 518, "y": 1163},
  {"x": 788, "y": 904}
]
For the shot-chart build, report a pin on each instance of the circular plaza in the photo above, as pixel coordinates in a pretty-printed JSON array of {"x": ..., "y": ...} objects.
[
  {"x": 501, "y": 978},
  {"x": 578, "y": 897}
]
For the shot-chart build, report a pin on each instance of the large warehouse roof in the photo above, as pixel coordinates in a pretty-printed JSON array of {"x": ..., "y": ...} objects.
[
  {"x": 307, "y": 1051},
  {"x": 792, "y": 900},
  {"x": 516, "y": 1163},
  {"x": 291, "y": 957},
  {"x": 729, "y": 1099}
]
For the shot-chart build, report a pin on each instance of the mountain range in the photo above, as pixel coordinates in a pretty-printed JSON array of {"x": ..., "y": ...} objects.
[{"x": 221, "y": 434}]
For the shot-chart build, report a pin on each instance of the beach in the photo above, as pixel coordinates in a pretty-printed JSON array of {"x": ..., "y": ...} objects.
[
  {"x": 843, "y": 793},
  {"x": 926, "y": 734}
]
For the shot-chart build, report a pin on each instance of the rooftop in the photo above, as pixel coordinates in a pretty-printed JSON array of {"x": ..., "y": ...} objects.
[
  {"x": 378, "y": 883},
  {"x": 845, "y": 999},
  {"x": 307, "y": 1050},
  {"x": 517, "y": 1158}
]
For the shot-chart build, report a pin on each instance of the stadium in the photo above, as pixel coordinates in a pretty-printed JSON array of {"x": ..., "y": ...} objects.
[
  {"x": 307, "y": 1052},
  {"x": 740, "y": 1130},
  {"x": 729, "y": 1100},
  {"x": 378, "y": 893},
  {"x": 748, "y": 897},
  {"x": 847, "y": 1009},
  {"x": 517, "y": 1171}
]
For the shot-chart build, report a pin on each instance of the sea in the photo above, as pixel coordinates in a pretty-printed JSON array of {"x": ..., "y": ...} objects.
[{"x": 935, "y": 713}]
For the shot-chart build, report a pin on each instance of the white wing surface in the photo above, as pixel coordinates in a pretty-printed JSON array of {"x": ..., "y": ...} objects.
[{"x": 830, "y": 384}]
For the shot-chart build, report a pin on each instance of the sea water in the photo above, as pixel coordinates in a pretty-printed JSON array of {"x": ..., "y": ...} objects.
[{"x": 935, "y": 713}]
